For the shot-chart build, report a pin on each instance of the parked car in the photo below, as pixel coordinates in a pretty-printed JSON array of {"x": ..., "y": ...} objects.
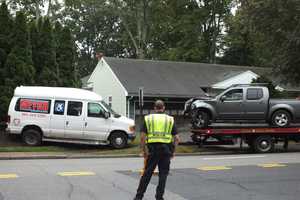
[
  {"x": 66, "y": 115},
  {"x": 242, "y": 103}
]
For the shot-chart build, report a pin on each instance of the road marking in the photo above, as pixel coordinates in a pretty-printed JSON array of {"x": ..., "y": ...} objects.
[
  {"x": 76, "y": 173},
  {"x": 233, "y": 157},
  {"x": 7, "y": 176},
  {"x": 214, "y": 168},
  {"x": 271, "y": 165}
]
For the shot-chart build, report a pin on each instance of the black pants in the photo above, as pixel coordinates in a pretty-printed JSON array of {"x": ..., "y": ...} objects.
[{"x": 159, "y": 154}]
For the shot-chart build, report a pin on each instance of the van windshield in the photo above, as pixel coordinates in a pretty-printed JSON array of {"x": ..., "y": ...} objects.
[{"x": 108, "y": 108}]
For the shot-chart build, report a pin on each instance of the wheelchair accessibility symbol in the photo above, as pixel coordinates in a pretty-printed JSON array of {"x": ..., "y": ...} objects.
[{"x": 59, "y": 107}]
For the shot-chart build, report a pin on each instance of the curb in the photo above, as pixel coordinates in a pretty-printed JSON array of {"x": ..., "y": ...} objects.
[{"x": 36, "y": 157}]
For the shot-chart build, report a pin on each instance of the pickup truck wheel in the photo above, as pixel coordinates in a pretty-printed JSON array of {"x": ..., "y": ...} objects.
[
  {"x": 200, "y": 119},
  {"x": 32, "y": 137},
  {"x": 118, "y": 140},
  {"x": 281, "y": 118},
  {"x": 263, "y": 144}
]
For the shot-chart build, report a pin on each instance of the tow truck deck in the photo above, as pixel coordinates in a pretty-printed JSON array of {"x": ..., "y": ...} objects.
[{"x": 259, "y": 139}]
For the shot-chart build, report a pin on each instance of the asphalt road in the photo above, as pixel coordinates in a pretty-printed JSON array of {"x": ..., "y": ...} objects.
[{"x": 230, "y": 177}]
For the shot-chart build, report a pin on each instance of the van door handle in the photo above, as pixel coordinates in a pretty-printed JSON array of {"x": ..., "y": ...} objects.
[
  {"x": 85, "y": 124},
  {"x": 67, "y": 123}
]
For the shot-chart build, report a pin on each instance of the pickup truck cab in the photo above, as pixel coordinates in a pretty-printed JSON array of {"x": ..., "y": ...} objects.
[
  {"x": 68, "y": 115},
  {"x": 242, "y": 103}
]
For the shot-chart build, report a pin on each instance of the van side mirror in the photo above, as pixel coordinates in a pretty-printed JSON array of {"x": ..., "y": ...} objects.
[
  {"x": 106, "y": 115},
  {"x": 223, "y": 98}
]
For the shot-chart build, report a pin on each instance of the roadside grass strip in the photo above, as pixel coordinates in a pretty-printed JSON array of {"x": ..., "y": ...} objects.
[
  {"x": 214, "y": 168},
  {"x": 76, "y": 173},
  {"x": 271, "y": 165},
  {"x": 8, "y": 176}
]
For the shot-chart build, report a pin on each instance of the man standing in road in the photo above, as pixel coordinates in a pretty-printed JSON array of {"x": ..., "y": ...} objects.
[{"x": 160, "y": 134}]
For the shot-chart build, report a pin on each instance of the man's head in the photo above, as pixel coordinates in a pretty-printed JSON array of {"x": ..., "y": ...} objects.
[{"x": 159, "y": 106}]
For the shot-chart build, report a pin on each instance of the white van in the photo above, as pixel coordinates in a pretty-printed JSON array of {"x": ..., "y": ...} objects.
[{"x": 66, "y": 115}]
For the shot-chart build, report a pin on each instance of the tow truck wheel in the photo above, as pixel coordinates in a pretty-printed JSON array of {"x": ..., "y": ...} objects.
[
  {"x": 263, "y": 144},
  {"x": 200, "y": 119},
  {"x": 32, "y": 137},
  {"x": 281, "y": 118},
  {"x": 118, "y": 140}
]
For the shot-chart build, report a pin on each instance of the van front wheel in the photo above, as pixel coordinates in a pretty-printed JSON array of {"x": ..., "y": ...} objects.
[
  {"x": 32, "y": 137},
  {"x": 118, "y": 140}
]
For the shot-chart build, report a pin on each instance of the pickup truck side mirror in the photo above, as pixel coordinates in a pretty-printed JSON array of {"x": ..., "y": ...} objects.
[
  {"x": 106, "y": 115},
  {"x": 223, "y": 98}
]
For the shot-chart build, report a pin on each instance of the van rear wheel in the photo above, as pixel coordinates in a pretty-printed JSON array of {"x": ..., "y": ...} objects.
[
  {"x": 32, "y": 137},
  {"x": 118, "y": 140}
]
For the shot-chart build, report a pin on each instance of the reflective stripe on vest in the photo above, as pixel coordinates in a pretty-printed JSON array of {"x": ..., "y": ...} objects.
[{"x": 159, "y": 128}]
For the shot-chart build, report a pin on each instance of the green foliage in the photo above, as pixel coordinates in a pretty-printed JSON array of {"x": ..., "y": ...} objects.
[
  {"x": 266, "y": 33},
  {"x": 44, "y": 52},
  {"x": 65, "y": 56},
  {"x": 18, "y": 69},
  {"x": 279, "y": 23},
  {"x": 95, "y": 29},
  {"x": 5, "y": 38},
  {"x": 243, "y": 45},
  {"x": 30, "y": 59}
]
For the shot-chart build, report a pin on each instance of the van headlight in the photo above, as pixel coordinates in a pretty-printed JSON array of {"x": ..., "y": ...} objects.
[{"x": 132, "y": 129}]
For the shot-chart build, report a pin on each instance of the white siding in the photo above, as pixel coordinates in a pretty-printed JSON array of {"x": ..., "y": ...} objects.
[
  {"x": 105, "y": 83},
  {"x": 243, "y": 78}
]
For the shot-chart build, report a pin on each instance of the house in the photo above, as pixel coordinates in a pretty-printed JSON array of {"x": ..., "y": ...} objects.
[{"x": 118, "y": 81}]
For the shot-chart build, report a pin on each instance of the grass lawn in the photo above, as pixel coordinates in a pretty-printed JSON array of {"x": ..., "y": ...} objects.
[{"x": 133, "y": 148}]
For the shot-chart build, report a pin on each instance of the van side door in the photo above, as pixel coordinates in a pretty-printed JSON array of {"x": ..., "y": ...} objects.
[
  {"x": 74, "y": 120},
  {"x": 96, "y": 126},
  {"x": 57, "y": 121}
]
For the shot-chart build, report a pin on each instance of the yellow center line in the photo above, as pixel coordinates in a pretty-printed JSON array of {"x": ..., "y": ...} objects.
[
  {"x": 7, "y": 176},
  {"x": 76, "y": 173},
  {"x": 214, "y": 168},
  {"x": 271, "y": 165}
]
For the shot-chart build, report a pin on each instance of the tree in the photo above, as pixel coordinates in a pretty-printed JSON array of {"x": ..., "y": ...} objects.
[
  {"x": 18, "y": 67},
  {"x": 278, "y": 22},
  {"x": 175, "y": 31},
  {"x": 6, "y": 25},
  {"x": 65, "y": 56},
  {"x": 96, "y": 29},
  {"x": 37, "y": 8},
  {"x": 45, "y": 55},
  {"x": 242, "y": 44},
  {"x": 5, "y": 37}
]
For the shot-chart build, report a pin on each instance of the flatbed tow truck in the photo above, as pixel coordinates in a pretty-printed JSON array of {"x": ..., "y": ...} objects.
[{"x": 259, "y": 139}]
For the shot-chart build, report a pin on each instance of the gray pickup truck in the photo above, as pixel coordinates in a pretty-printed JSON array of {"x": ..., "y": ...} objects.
[{"x": 242, "y": 103}]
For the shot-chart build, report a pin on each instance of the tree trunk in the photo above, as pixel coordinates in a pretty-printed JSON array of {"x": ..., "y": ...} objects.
[
  {"x": 49, "y": 8},
  {"x": 37, "y": 9}
]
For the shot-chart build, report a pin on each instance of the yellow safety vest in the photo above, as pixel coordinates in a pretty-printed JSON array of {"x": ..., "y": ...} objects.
[{"x": 159, "y": 128}]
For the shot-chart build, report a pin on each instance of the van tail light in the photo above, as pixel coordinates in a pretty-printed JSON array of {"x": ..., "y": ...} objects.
[{"x": 7, "y": 120}]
